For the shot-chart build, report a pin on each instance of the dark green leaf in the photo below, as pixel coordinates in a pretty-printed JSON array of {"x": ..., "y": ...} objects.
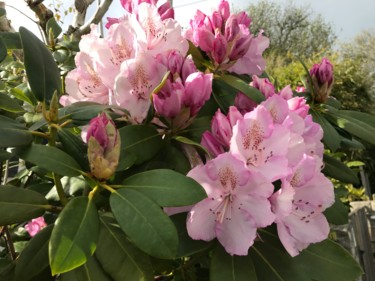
[
  {"x": 139, "y": 143},
  {"x": 190, "y": 142},
  {"x": 11, "y": 40},
  {"x": 361, "y": 116},
  {"x": 42, "y": 72},
  {"x": 90, "y": 271},
  {"x": 83, "y": 112},
  {"x": 74, "y": 236},
  {"x": 9, "y": 104},
  {"x": 23, "y": 93},
  {"x": 338, "y": 213},
  {"x": 3, "y": 12},
  {"x": 124, "y": 262},
  {"x": 225, "y": 267},
  {"x": 198, "y": 127},
  {"x": 336, "y": 169},
  {"x": 331, "y": 137},
  {"x": 187, "y": 246},
  {"x": 166, "y": 187},
  {"x": 50, "y": 158},
  {"x": 34, "y": 258},
  {"x": 13, "y": 134},
  {"x": 243, "y": 87},
  {"x": 54, "y": 27},
  {"x": 145, "y": 223},
  {"x": 4, "y": 155},
  {"x": 19, "y": 205},
  {"x": 3, "y": 50}
]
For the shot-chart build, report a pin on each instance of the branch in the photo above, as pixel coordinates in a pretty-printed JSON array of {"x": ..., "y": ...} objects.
[
  {"x": 80, "y": 9},
  {"x": 42, "y": 13},
  {"x": 5, "y": 25}
]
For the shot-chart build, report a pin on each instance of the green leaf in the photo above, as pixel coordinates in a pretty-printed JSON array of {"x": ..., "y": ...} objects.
[
  {"x": 361, "y": 116},
  {"x": 225, "y": 267},
  {"x": 243, "y": 87},
  {"x": 13, "y": 134},
  {"x": 9, "y": 104},
  {"x": 166, "y": 187},
  {"x": 74, "y": 236},
  {"x": 90, "y": 271},
  {"x": 198, "y": 127},
  {"x": 189, "y": 141},
  {"x": 145, "y": 223},
  {"x": 19, "y": 205},
  {"x": 3, "y": 50},
  {"x": 34, "y": 258},
  {"x": 139, "y": 143},
  {"x": 4, "y": 155},
  {"x": 3, "y": 12},
  {"x": 23, "y": 93},
  {"x": 336, "y": 169},
  {"x": 357, "y": 127},
  {"x": 11, "y": 39},
  {"x": 42, "y": 72},
  {"x": 331, "y": 137},
  {"x": 50, "y": 158},
  {"x": 82, "y": 112},
  {"x": 124, "y": 261},
  {"x": 338, "y": 213},
  {"x": 187, "y": 246},
  {"x": 54, "y": 27}
]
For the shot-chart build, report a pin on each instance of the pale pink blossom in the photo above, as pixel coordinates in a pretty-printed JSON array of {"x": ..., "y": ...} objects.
[
  {"x": 236, "y": 206},
  {"x": 263, "y": 85},
  {"x": 35, "y": 225},
  {"x": 214, "y": 147}
]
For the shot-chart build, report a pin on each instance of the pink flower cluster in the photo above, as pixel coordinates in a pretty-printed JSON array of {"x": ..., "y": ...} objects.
[{"x": 277, "y": 141}]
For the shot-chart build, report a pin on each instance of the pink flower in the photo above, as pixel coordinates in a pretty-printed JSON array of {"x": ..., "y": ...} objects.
[
  {"x": 221, "y": 128},
  {"x": 261, "y": 144},
  {"x": 322, "y": 80},
  {"x": 243, "y": 103},
  {"x": 300, "y": 89},
  {"x": 263, "y": 85},
  {"x": 168, "y": 101},
  {"x": 212, "y": 144},
  {"x": 35, "y": 225},
  {"x": 299, "y": 206},
  {"x": 236, "y": 206}
]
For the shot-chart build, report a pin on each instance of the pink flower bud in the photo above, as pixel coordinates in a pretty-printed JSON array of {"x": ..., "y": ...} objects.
[
  {"x": 211, "y": 144},
  {"x": 325, "y": 73},
  {"x": 111, "y": 21},
  {"x": 243, "y": 103},
  {"x": 224, "y": 9},
  {"x": 300, "y": 89},
  {"x": 221, "y": 128},
  {"x": 103, "y": 143},
  {"x": 298, "y": 105},
  {"x": 35, "y": 225},
  {"x": 168, "y": 101},
  {"x": 286, "y": 93},
  {"x": 219, "y": 51},
  {"x": 240, "y": 48},
  {"x": 322, "y": 80},
  {"x": 216, "y": 20},
  {"x": 231, "y": 28},
  {"x": 198, "y": 88},
  {"x": 234, "y": 115},
  {"x": 166, "y": 11},
  {"x": 243, "y": 18},
  {"x": 188, "y": 68},
  {"x": 205, "y": 39},
  {"x": 264, "y": 85},
  {"x": 173, "y": 60}
]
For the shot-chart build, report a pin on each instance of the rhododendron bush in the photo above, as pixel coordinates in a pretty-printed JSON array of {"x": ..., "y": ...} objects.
[{"x": 167, "y": 154}]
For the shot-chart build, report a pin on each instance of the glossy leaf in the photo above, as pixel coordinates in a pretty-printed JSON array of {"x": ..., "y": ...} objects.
[
  {"x": 11, "y": 40},
  {"x": 23, "y": 93},
  {"x": 42, "y": 72},
  {"x": 124, "y": 262},
  {"x": 190, "y": 142},
  {"x": 338, "y": 213},
  {"x": 18, "y": 205},
  {"x": 75, "y": 235},
  {"x": 34, "y": 258},
  {"x": 90, "y": 271},
  {"x": 13, "y": 133},
  {"x": 54, "y": 27},
  {"x": 139, "y": 143},
  {"x": 225, "y": 267},
  {"x": 198, "y": 127},
  {"x": 336, "y": 169},
  {"x": 82, "y": 112},
  {"x": 4, "y": 155},
  {"x": 166, "y": 187},
  {"x": 9, "y": 104},
  {"x": 331, "y": 137},
  {"x": 50, "y": 158},
  {"x": 145, "y": 223}
]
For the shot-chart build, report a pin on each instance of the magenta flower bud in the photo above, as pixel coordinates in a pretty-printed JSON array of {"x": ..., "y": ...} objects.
[
  {"x": 166, "y": 11},
  {"x": 35, "y": 225},
  {"x": 240, "y": 48},
  {"x": 224, "y": 10},
  {"x": 322, "y": 80},
  {"x": 103, "y": 143},
  {"x": 211, "y": 144},
  {"x": 263, "y": 85},
  {"x": 325, "y": 73},
  {"x": 168, "y": 101},
  {"x": 111, "y": 21},
  {"x": 244, "y": 19},
  {"x": 188, "y": 67},
  {"x": 216, "y": 20},
  {"x": 173, "y": 60},
  {"x": 232, "y": 28},
  {"x": 205, "y": 39},
  {"x": 221, "y": 128},
  {"x": 198, "y": 88},
  {"x": 234, "y": 115},
  {"x": 219, "y": 52},
  {"x": 243, "y": 103}
]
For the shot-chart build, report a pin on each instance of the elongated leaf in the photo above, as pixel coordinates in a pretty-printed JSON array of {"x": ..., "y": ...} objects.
[
  {"x": 361, "y": 116},
  {"x": 9, "y": 104},
  {"x": 50, "y": 158},
  {"x": 191, "y": 142},
  {"x": 187, "y": 246},
  {"x": 338, "y": 213},
  {"x": 11, "y": 40},
  {"x": 13, "y": 134},
  {"x": 199, "y": 126},
  {"x": 139, "y": 143},
  {"x": 74, "y": 236},
  {"x": 225, "y": 267},
  {"x": 243, "y": 87},
  {"x": 145, "y": 223},
  {"x": 124, "y": 262},
  {"x": 4, "y": 155},
  {"x": 54, "y": 27},
  {"x": 42, "y": 72},
  {"x": 166, "y": 187},
  {"x": 83, "y": 112},
  {"x": 331, "y": 137},
  {"x": 19, "y": 205},
  {"x": 90, "y": 271},
  {"x": 336, "y": 169},
  {"x": 34, "y": 258},
  {"x": 23, "y": 93}
]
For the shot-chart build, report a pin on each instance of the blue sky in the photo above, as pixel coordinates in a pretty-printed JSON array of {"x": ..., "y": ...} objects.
[{"x": 348, "y": 17}]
